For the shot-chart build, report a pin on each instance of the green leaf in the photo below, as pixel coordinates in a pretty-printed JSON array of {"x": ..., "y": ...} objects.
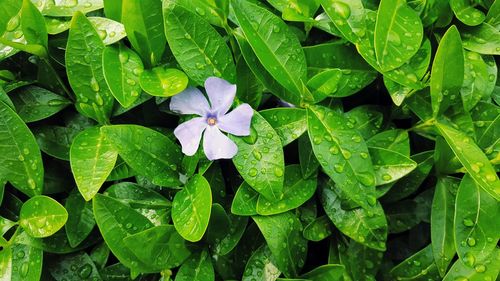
[
  {"x": 92, "y": 158},
  {"x": 342, "y": 153},
  {"x": 249, "y": 88},
  {"x": 348, "y": 16},
  {"x": 160, "y": 247},
  {"x": 109, "y": 31},
  {"x": 308, "y": 162},
  {"x": 197, "y": 46},
  {"x": 476, "y": 223},
  {"x": 366, "y": 226},
  {"x": 260, "y": 159},
  {"x": 55, "y": 140},
  {"x": 390, "y": 165},
  {"x": 260, "y": 266},
  {"x": 148, "y": 152},
  {"x": 237, "y": 226},
  {"x": 80, "y": 218},
  {"x": 283, "y": 234},
  {"x": 191, "y": 209},
  {"x": 327, "y": 272},
  {"x": 398, "y": 34},
  {"x": 122, "y": 68},
  {"x": 33, "y": 25},
  {"x": 144, "y": 26},
  {"x": 361, "y": 262},
  {"x": 260, "y": 72},
  {"x": 33, "y": 103},
  {"x": 296, "y": 191},
  {"x": 84, "y": 68},
  {"x": 289, "y": 123},
  {"x": 20, "y": 157},
  {"x": 420, "y": 266},
  {"x": 245, "y": 201},
  {"x": 366, "y": 119},
  {"x": 318, "y": 229},
  {"x": 329, "y": 61},
  {"x": 473, "y": 159},
  {"x": 197, "y": 268},
  {"x": 214, "y": 11},
  {"x": 77, "y": 266},
  {"x": 409, "y": 184},
  {"x": 480, "y": 75},
  {"x": 466, "y": 12},
  {"x": 26, "y": 263},
  {"x": 480, "y": 272},
  {"x": 483, "y": 39},
  {"x": 447, "y": 72},
  {"x": 67, "y": 8},
  {"x": 163, "y": 82},
  {"x": 276, "y": 47},
  {"x": 395, "y": 140},
  {"x": 442, "y": 229},
  {"x": 42, "y": 216},
  {"x": 117, "y": 221}
]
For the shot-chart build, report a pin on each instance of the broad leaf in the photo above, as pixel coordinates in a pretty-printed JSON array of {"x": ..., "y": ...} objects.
[{"x": 42, "y": 216}]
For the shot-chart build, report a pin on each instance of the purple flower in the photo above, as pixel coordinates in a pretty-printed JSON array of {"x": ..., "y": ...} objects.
[{"x": 214, "y": 117}]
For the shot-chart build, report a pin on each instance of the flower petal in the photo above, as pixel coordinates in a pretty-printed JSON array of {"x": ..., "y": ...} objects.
[
  {"x": 237, "y": 122},
  {"x": 190, "y": 101},
  {"x": 217, "y": 145},
  {"x": 220, "y": 93},
  {"x": 189, "y": 134}
]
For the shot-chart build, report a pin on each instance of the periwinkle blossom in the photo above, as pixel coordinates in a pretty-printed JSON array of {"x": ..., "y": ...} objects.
[{"x": 213, "y": 118}]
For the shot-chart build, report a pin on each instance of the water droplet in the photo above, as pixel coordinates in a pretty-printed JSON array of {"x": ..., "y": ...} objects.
[
  {"x": 468, "y": 222},
  {"x": 257, "y": 155},
  {"x": 480, "y": 268},
  {"x": 187, "y": 36},
  {"x": 98, "y": 99},
  {"x": 491, "y": 177},
  {"x": 317, "y": 140},
  {"x": 394, "y": 38},
  {"x": 372, "y": 200},
  {"x": 334, "y": 149},
  {"x": 252, "y": 172},
  {"x": 471, "y": 241},
  {"x": 363, "y": 155},
  {"x": 94, "y": 85},
  {"x": 469, "y": 259},
  {"x": 338, "y": 168},
  {"x": 131, "y": 82},
  {"x": 278, "y": 172},
  {"x": 342, "y": 9},
  {"x": 12, "y": 24},
  {"x": 276, "y": 28},
  {"x": 200, "y": 11},
  {"x": 102, "y": 34},
  {"x": 346, "y": 153},
  {"x": 123, "y": 57},
  {"x": 356, "y": 138},
  {"x": 386, "y": 177},
  {"x": 20, "y": 157},
  {"x": 24, "y": 269},
  {"x": 85, "y": 271},
  {"x": 20, "y": 254},
  {"x": 137, "y": 71}
]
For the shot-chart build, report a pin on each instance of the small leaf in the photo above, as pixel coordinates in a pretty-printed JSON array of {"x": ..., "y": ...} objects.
[
  {"x": 191, "y": 209},
  {"x": 109, "y": 31},
  {"x": 390, "y": 165},
  {"x": 398, "y": 34},
  {"x": 443, "y": 209},
  {"x": 318, "y": 229},
  {"x": 20, "y": 157},
  {"x": 122, "y": 68},
  {"x": 283, "y": 234},
  {"x": 348, "y": 16},
  {"x": 42, "y": 216},
  {"x": 296, "y": 191},
  {"x": 160, "y": 247},
  {"x": 80, "y": 218},
  {"x": 447, "y": 72},
  {"x": 197, "y": 268},
  {"x": 473, "y": 159},
  {"x": 466, "y": 12},
  {"x": 147, "y": 152},
  {"x": 76, "y": 266},
  {"x": 26, "y": 263},
  {"x": 245, "y": 201},
  {"x": 92, "y": 158},
  {"x": 260, "y": 266},
  {"x": 419, "y": 266},
  {"x": 476, "y": 223},
  {"x": 483, "y": 39},
  {"x": 55, "y": 140},
  {"x": 260, "y": 160},
  {"x": 197, "y": 46},
  {"x": 163, "y": 82},
  {"x": 289, "y": 123},
  {"x": 67, "y": 8}
]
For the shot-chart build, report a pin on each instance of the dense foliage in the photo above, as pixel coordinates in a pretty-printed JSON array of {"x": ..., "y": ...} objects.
[{"x": 372, "y": 154}]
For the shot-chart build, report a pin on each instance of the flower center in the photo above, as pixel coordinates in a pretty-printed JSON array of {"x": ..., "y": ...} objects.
[{"x": 211, "y": 121}]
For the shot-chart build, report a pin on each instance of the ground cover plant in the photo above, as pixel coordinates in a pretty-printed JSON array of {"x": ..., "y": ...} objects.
[{"x": 249, "y": 140}]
